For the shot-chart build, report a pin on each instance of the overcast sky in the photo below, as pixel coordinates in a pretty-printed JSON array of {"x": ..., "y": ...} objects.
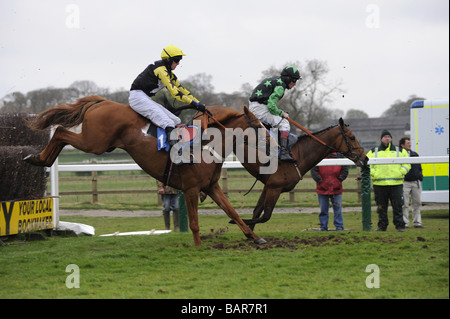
[{"x": 381, "y": 50}]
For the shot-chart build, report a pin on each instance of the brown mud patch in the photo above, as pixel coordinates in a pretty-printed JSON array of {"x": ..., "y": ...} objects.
[
  {"x": 296, "y": 242},
  {"x": 214, "y": 233}
]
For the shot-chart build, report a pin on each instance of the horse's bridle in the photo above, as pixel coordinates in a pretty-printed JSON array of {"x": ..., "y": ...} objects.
[
  {"x": 350, "y": 153},
  {"x": 250, "y": 122},
  {"x": 350, "y": 149}
]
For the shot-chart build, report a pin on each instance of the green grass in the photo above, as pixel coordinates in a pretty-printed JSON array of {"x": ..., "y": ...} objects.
[{"x": 307, "y": 264}]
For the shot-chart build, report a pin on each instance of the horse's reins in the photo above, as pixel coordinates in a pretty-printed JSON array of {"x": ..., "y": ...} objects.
[
  {"x": 169, "y": 166},
  {"x": 350, "y": 148},
  {"x": 206, "y": 115},
  {"x": 304, "y": 129},
  {"x": 204, "y": 124}
]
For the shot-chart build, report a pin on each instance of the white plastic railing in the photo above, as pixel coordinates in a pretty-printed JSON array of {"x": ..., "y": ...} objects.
[{"x": 227, "y": 164}]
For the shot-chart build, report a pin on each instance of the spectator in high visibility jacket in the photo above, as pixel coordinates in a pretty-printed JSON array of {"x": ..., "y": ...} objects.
[
  {"x": 329, "y": 187},
  {"x": 388, "y": 182}
]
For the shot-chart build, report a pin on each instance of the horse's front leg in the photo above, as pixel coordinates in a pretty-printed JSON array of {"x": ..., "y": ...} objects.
[
  {"x": 256, "y": 212},
  {"x": 191, "y": 197},
  {"x": 266, "y": 203},
  {"x": 270, "y": 200},
  {"x": 258, "y": 209},
  {"x": 216, "y": 193}
]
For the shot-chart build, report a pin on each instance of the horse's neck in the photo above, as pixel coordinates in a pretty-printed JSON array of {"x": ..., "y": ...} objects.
[
  {"x": 234, "y": 122},
  {"x": 312, "y": 152}
]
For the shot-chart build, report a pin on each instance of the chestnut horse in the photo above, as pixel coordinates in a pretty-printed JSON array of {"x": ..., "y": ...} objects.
[
  {"x": 309, "y": 153},
  {"x": 107, "y": 125}
]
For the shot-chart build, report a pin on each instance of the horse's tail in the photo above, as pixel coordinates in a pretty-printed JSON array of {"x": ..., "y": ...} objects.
[{"x": 67, "y": 115}]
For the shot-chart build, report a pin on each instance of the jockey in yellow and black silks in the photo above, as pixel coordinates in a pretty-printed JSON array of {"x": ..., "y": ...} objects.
[
  {"x": 263, "y": 103},
  {"x": 154, "y": 78}
]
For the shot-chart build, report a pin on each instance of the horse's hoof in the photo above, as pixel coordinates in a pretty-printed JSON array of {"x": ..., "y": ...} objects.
[
  {"x": 260, "y": 241},
  {"x": 203, "y": 197},
  {"x": 34, "y": 160},
  {"x": 28, "y": 159}
]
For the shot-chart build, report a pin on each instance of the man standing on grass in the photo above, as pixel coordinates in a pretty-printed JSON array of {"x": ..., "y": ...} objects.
[
  {"x": 412, "y": 187},
  {"x": 388, "y": 182},
  {"x": 169, "y": 197},
  {"x": 329, "y": 188}
]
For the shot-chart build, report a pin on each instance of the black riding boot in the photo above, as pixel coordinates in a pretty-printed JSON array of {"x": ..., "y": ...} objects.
[
  {"x": 176, "y": 158},
  {"x": 172, "y": 142},
  {"x": 284, "y": 151}
]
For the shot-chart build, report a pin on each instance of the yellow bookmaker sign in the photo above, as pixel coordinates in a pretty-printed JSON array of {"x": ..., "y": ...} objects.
[{"x": 24, "y": 216}]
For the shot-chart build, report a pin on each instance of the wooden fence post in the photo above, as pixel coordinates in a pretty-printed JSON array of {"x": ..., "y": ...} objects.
[
  {"x": 366, "y": 200},
  {"x": 358, "y": 182},
  {"x": 182, "y": 211},
  {"x": 94, "y": 187},
  {"x": 292, "y": 196},
  {"x": 224, "y": 178}
]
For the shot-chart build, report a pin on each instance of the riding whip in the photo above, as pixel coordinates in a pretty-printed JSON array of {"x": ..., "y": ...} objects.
[{"x": 304, "y": 129}]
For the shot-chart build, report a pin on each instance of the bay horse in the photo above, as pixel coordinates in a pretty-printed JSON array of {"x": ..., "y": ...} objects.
[
  {"x": 107, "y": 125},
  {"x": 309, "y": 153}
]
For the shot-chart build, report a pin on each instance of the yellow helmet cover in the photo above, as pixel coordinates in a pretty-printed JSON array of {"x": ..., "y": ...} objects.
[{"x": 171, "y": 51}]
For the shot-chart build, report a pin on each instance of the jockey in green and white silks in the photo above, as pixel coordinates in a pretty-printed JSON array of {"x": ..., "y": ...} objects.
[{"x": 264, "y": 100}]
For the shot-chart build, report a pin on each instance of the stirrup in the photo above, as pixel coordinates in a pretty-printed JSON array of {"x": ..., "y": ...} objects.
[
  {"x": 171, "y": 142},
  {"x": 285, "y": 156}
]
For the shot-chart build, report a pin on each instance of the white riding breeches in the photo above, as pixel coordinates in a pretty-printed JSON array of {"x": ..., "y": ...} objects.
[
  {"x": 261, "y": 111},
  {"x": 158, "y": 114}
]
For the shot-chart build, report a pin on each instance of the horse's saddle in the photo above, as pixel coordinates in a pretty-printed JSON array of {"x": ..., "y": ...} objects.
[{"x": 187, "y": 134}]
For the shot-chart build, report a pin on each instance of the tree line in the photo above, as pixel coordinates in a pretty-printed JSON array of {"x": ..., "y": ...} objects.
[{"x": 306, "y": 104}]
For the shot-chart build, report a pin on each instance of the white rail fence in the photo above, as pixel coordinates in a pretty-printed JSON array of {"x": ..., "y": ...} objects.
[{"x": 54, "y": 185}]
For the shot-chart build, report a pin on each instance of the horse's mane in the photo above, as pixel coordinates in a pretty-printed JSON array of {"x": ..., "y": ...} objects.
[
  {"x": 316, "y": 133},
  {"x": 222, "y": 113}
]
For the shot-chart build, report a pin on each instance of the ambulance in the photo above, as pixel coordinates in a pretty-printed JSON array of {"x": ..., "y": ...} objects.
[{"x": 429, "y": 137}]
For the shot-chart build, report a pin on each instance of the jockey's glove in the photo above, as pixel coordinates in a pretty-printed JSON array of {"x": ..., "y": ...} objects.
[{"x": 199, "y": 106}]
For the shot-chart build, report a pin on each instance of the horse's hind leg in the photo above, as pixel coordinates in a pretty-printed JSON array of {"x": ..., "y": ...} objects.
[
  {"x": 61, "y": 138},
  {"x": 216, "y": 193},
  {"x": 49, "y": 154}
]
